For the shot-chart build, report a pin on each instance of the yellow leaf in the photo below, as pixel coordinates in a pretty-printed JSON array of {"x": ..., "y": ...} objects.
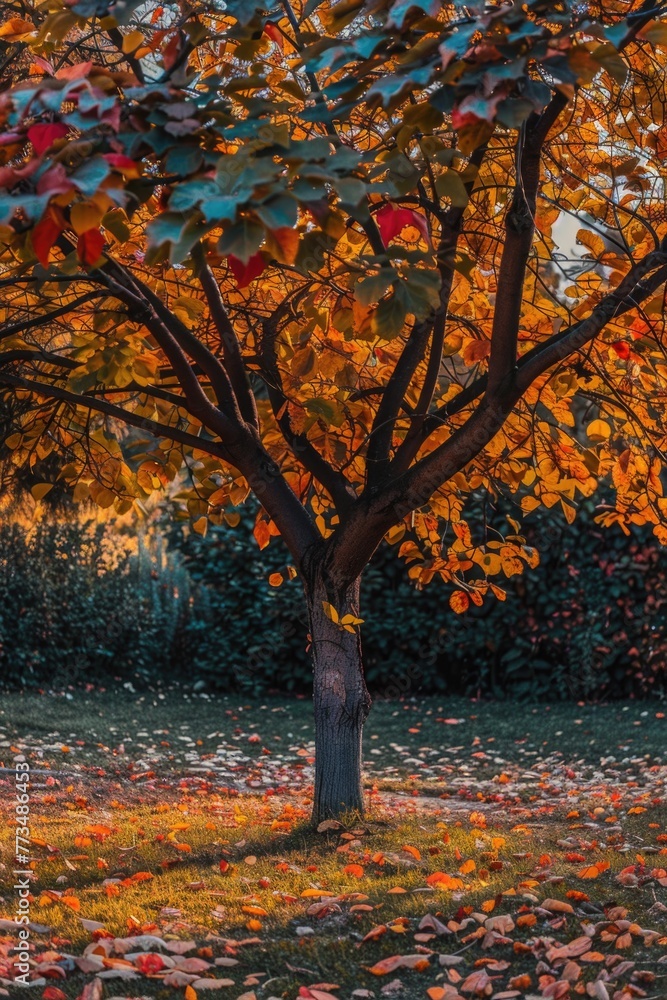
[
  {"x": 190, "y": 994},
  {"x": 85, "y": 215},
  {"x": 304, "y": 363},
  {"x": 331, "y": 612},
  {"x": 598, "y": 430},
  {"x": 351, "y": 620},
  {"x": 40, "y": 490},
  {"x": 132, "y": 41}
]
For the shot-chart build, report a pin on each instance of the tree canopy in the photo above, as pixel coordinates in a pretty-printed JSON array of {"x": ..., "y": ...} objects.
[
  {"x": 313, "y": 250},
  {"x": 362, "y": 258}
]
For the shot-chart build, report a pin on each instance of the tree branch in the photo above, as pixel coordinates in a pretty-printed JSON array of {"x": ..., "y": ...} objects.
[
  {"x": 334, "y": 482},
  {"x": 382, "y": 430},
  {"x": 519, "y": 233},
  {"x": 231, "y": 350},
  {"x": 349, "y": 549},
  {"x": 21, "y": 326},
  {"x": 170, "y": 332},
  {"x": 155, "y": 427},
  {"x": 637, "y": 286}
]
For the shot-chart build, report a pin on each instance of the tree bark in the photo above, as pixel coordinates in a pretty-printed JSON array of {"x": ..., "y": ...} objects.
[{"x": 341, "y": 702}]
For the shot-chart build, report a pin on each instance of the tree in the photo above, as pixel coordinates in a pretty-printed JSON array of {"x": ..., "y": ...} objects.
[{"x": 326, "y": 252}]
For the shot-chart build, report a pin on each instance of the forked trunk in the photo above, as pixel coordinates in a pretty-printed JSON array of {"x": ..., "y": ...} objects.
[{"x": 341, "y": 703}]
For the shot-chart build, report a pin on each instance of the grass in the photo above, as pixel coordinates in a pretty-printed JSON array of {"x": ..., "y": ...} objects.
[
  {"x": 522, "y": 734},
  {"x": 532, "y": 798}
]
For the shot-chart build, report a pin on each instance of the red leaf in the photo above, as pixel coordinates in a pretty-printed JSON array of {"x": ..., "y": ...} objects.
[
  {"x": 53, "y": 993},
  {"x": 89, "y": 247},
  {"x": 43, "y": 136},
  {"x": 622, "y": 349},
  {"x": 275, "y": 34},
  {"x": 392, "y": 221},
  {"x": 245, "y": 273},
  {"x": 44, "y": 235},
  {"x": 149, "y": 963},
  {"x": 461, "y": 120},
  {"x": 120, "y": 161}
]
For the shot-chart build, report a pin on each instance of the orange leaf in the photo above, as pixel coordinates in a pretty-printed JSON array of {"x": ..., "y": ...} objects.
[
  {"x": 440, "y": 880},
  {"x": 592, "y": 871},
  {"x": 459, "y": 602},
  {"x": 387, "y": 965},
  {"x": 355, "y": 870},
  {"x": 283, "y": 243}
]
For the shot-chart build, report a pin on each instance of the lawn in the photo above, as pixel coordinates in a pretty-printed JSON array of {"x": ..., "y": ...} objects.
[{"x": 507, "y": 851}]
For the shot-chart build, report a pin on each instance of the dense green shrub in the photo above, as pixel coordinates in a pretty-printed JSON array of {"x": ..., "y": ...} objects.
[
  {"x": 77, "y": 604},
  {"x": 589, "y": 622}
]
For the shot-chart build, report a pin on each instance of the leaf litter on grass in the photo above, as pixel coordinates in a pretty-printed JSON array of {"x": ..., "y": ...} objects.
[{"x": 509, "y": 881}]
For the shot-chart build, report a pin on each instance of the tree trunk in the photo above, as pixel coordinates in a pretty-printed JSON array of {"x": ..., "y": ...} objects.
[{"x": 341, "y": 703}]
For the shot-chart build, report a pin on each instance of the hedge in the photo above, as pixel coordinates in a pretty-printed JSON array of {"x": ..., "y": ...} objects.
[{"x": 78, "y": 605}]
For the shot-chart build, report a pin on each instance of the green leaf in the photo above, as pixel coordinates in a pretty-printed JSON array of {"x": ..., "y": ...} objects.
[
  {"x": 326, "y": 409},
  {"x": 90, "y": 175},
  {"x": 191, "y": 193},
  {"x": 31, "y": 205},
  {"x": 372, "y": 289},
  {"x": 242, "y": 240},
  {"x": 421, "y": 291},
  {"x": 177, "y": 230},
  {"x": 609, "y": 59},
  {"x": 389, "y": 318},
  {"x": 351, "y": 191},
  {"x": 115, "y": 223},
  {"x": 402, "y": 8},
  {"x": 245, "y": 10},
  {"x": 449, "y": 185},
  {"x": 278, "y": 212}
]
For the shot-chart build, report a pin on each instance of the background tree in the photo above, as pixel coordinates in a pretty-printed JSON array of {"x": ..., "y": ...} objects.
[{"x": 312, "y": 250}]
